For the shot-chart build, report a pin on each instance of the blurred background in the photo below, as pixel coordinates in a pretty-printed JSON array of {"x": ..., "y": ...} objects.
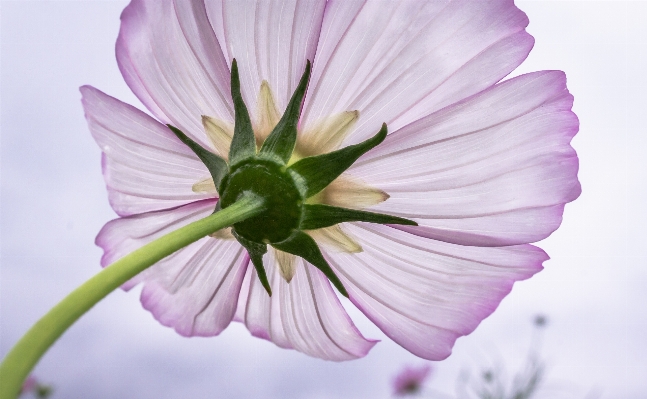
[{"x": 53, "y": 203}]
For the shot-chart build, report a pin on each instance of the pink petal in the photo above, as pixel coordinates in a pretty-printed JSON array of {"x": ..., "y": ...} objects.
[
  {"x": 198, "y": 292},
  {"x": 513, "y": 227},
  {"x": 171, "y": 59},
  {"x": 495, "y": 169},
  {"x": 271, "y": 40},
  {"x": 398, "y": 61},
  {"x": 119, "y": 237},
  {"x": 305, "y": 314},
  {"x": 424, "y": 294},
  {"x": 145, "y": 166},
  {"x": 196, "y": 289}
]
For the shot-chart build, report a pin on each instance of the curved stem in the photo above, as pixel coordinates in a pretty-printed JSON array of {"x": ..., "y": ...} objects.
[{"x": 31, "y": 347}]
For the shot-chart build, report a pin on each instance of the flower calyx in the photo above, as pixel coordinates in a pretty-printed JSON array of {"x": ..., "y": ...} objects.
[{"x": 285, "y": 188}]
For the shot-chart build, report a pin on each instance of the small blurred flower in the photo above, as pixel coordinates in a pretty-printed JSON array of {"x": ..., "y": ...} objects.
[
  {"x": 29, "y": 385},
  {"x": 495, "y": 383},
  {"x": 409, "y": 381},
  {"x": 540, "y": 321},
  {"x": 488, "y": 376},
  {"x": 32, "y": 385}
]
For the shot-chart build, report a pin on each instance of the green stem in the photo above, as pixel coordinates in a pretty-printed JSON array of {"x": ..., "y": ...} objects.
[{"x": 31, "y": 347}]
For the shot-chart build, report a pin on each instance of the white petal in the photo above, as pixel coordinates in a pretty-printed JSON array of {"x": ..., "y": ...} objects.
[
  {"x": 198, "y": 294},
  {"x": 423, "y": 293},
  {"x": 385, "y": 57},
  {"x": 119, "y": 237},
  {"x": 305, "y": 314},
  {"x": 495, "y": 169},
  {"x": 145, "y": 166},
  {"x": 171, "y": 59},
  {"x": 194, "y": 290},
  {"x": 271, "y": 40}
]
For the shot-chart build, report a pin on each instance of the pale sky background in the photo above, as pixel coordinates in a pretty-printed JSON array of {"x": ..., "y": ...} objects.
[{"x": 53, "y": 203}]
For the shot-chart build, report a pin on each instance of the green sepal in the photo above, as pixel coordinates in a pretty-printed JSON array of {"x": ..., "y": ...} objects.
[
  {"x": 316, "y": 172},
  {"x": 216, "y": 165},
  {"x": 280, "y": 143},
  {"x": 317, "y": 216},
  {"x": 301, "y": 244},
  {"x": 243, "y": 143},
  {"x": 256, "y": 252}
]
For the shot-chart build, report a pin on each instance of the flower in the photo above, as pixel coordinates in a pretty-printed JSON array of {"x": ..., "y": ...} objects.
[
  {"x": 32, "y": 385},
  {"x": 483, "y": 166},
  {"x": 540, "y": 321},
  {"x": 409, "y": 381},
  {"x": 29, "y": 385}
]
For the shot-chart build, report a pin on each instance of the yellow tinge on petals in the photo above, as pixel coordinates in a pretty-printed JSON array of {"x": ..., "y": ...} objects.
[
  {"x": 326, "y": 135},
  {"x": 220, "y": 134},
  {"x": 205, "y": 186},
  {"x": 286, "y": 263},
  {"x": 336, "y": 239},
  {"x": 348, "y": 192},
  {"x": 268, "y": 114},
  {"x": 223, "y": 234}
]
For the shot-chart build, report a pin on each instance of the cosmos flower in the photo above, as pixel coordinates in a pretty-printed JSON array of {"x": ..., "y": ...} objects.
[
  {"x": 29, "y": 385},
  {"x": 32, "y": 385},
  {"x": 484, "y": 166},
  {"x": 409, "y": 381}
]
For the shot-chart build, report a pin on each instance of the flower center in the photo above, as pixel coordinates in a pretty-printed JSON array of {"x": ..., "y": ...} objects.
[
  {"x": 290, "y": 185},
  {"x": 282, "y": 198}
]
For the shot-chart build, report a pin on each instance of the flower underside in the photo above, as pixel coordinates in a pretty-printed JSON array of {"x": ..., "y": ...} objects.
[{"x": 291, "y": 179}]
